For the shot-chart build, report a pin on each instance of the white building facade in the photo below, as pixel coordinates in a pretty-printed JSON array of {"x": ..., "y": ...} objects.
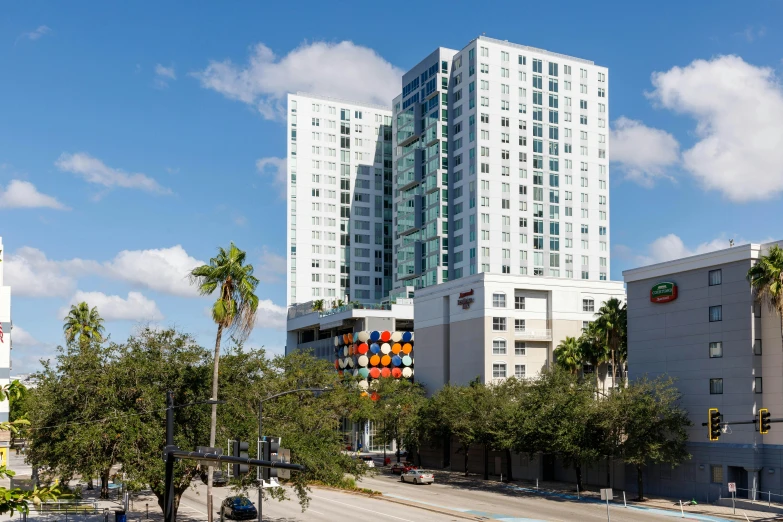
[
  {"x": 5, "y": 341},
  {"x": 496, "y": 326},
  {"x": 339, "y": 192},
  {"x": 501, "y": 165}
]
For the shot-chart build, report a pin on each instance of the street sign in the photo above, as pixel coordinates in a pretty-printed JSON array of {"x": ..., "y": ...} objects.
[
  {"x": 207, "y": 449},
  {"x": 732, "y": 487},
  {"x": 607, "y": 494}
]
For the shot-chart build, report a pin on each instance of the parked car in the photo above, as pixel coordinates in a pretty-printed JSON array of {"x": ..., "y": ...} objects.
[
  {"x": 239, "y": 508},
  {"x": 367, "y": 459},
  {"x": 417, "y": 476},
  {"x": 398, "y": 468}
]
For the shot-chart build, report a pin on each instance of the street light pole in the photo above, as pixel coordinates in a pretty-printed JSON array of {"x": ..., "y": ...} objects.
[
  {"x": 316, "y": 392},
  {"x": 168, "y": 502}
]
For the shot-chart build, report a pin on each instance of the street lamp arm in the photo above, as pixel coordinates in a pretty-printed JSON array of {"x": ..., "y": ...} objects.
[{"x": 313, "y": 390}]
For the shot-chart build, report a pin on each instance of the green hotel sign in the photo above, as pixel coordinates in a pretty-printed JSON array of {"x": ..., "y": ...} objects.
[{"x": 663, "y": 292}]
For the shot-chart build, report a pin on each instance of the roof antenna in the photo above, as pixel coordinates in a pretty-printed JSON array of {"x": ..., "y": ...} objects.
[{"x": 731, "y": 243}]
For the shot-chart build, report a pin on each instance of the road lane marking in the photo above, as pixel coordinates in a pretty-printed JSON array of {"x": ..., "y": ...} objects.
[{"x": 363, "y": 509}]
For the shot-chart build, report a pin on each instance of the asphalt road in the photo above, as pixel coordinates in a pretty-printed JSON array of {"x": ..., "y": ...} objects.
[{"x": 468, "y": 501}]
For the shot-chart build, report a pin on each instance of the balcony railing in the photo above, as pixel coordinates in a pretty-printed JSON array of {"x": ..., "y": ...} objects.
[{"x": 544, "y": 335}]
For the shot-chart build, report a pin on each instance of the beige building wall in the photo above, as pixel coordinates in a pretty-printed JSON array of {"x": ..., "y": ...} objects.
[{"x": 456, "y": 343}]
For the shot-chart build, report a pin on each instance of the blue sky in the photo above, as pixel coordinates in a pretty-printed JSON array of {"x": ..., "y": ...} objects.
[{"x": 131, "y": 134}]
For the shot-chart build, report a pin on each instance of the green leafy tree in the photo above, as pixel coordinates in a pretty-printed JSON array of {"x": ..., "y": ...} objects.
[
  {"x": 611, "y": 320},
  {"x": 646, "y": 424},
  {"x": 75, "y": 429},
  {"x": 592, "y": 345},
  {"x": 83, "y": 322},
  {"x": 233, "y": 311},
  {"x": 766, "y": 279},
  {"x": 568, "y": 356},
  {"x": 559, "y": 415},
  {"x": 15, "y": 500},
  {"x": 318, "y": 305}
]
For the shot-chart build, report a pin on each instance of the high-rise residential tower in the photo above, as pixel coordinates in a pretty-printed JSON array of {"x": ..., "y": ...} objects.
[
  {"x": 5, "y": 344},
  {"x": 501, "y": 165},
  {"x": 339, "y": 191}
]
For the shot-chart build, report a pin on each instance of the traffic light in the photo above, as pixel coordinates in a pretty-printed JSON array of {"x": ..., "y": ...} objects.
[
  {"x": 240, "y": 450},
  {"x": 714, "y": 424},
  {"x": 763, "y": 421},
  {"x": 271, "y": 446}
]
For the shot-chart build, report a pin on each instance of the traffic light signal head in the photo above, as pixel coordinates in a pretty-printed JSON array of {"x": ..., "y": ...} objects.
[
  {"x": 764, "y": 421},
  {"x": 271, "y": 446},
  {"x": 714, "y": 424},
  {"x": 240, "y": 450}
]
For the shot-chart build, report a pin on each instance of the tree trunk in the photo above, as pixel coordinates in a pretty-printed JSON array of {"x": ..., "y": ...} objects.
[
  {"x": 467, "y": 451},
  {"x": 486, "y": 462},
  {"x": 578, "y": 469},
  {"x": 608, "y": 472},
  {"x": 509, "y": 466},
  {"x": 639, "y": 482},
  {"x": 213, "y": 420},
  {"x": 105, "y": 484}
]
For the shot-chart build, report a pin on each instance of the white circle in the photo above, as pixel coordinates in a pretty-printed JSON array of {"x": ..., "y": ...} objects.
[
  {"x": 363, "y": 384},
  {"x": 363, "y": 360},
  {"x": 407, "y": 372},
  {"x": 385, "y": 348},
  {"x": 396, "y": 337},
  {"x": 363, "y": 336}
]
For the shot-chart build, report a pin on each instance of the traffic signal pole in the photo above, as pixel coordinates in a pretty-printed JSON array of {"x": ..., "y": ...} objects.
[{"x": 260, "y": 448}]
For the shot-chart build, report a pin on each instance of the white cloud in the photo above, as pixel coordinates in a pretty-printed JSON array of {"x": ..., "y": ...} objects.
[
  {"x": 30, "y": 273},
  {"x": 270, "y": 315},
  {"x": 163, "y": 75},
  {"x": 752, "y": 33},
  {"x": 163, "y": 269},
  {"x": 738, "y": 108},
  {"x": 671, "y": 246},
  {"x": 22, "y": 337},
  {"x": 23, "y": 194},
  {"x": 135, "y": 307},
  {"x": 276, "y": 168},
  {"x": 343, "y": 70},
  {"x": 272, "y": 266},
  {"x": 35, "y": 34},
  {"x": 643, "y": 153},
  {"x": 95, "y": 171}
]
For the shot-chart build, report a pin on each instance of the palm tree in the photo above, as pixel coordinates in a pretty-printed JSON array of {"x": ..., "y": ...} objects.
[
  {"x": 338, "y": 303},
  {"x": 766, "y": 279},
  {"x": 233, "y": 311},
  {"x": 84, "y": 322},
  {"x": 593, "y": 347},
  {"x": 318, "y": 305},
  {"x": 612, "y": 320},
  {"x": 567, "y": 355}
]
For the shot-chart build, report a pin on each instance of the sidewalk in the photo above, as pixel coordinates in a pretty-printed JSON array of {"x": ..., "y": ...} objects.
[{"x": 567, "y": 491}]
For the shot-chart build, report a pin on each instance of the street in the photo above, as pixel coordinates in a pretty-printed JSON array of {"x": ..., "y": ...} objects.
[{"x": 490, "y": 501}]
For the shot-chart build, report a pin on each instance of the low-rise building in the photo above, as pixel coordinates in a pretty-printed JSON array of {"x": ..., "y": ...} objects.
[
  {"x": 493, "y": 326},
  {"x": 696, "y": 319}
]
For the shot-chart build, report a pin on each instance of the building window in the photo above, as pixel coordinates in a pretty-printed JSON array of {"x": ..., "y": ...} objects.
[
  {"x": 519, "y": 348},
  {"x": 519, "y": 371},
  {"x": 757, "y": 309},
  {"x": 588, "y": 305},
  {"x": 519, "y": 325},
  {"x": 499, "y": 371},
  {"x": 758, "y": 387},
  {"x": 499, "y": 324},
  {"x": 716, "y": 474},
  {"x": 716, "y": 386},
  {"x": 499, "y": 300},
  {"x": 716, "y": 313},
  {"x": 499, "y": 347},
  {"x": 757, "y": 347},
  {"x": 519, "y": 303},
  {"x": 716, "y": 350},
  {"x": 716, "y": 277}
]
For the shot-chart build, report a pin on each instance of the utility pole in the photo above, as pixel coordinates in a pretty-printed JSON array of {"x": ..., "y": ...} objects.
[
  {"x": 168, "y": 503},
  {"x": 260, "y": 450}
]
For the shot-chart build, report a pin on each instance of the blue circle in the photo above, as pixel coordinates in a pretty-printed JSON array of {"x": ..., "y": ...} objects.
[
  {"x": 396, "y": 360},
  {"x": 406, "y": 337},
  {"x": 375, "y": 348},
  {"x": 375, "y": 335}
]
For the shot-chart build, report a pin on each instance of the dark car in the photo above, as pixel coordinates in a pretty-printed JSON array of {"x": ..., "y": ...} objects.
[
  {"x": 399, "y": 468},
  {"x": 239, "y": 508}
]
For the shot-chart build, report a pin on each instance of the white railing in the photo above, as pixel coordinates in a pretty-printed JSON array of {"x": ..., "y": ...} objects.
[{"x": 533, "y": 334}]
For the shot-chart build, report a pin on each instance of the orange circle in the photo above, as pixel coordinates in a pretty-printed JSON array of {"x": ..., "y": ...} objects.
[
  {"x": 375, "y": 373},
  {"x": 345, "y": 338},
  {"x": 336, "y": 364},
  {"x": 365, "y": 394},
  {"x": 385, "y": 360},
  {"x": 396, "y": 373},
  {"x": 374, "y": 360},
  {"x": 350, "y": 350},
  {"x": 406, "y": 348},
  {"x": 385, "y": 372},
  {"x": 396, "y": 347},
  {"x": 385, "y": 336},
  {"x": 350, "y": 337},
  {"x": 362, "y": 349},
  {"x": 375, "y": 396}
]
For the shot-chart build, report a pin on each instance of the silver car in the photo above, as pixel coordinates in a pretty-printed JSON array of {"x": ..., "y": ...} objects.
[{"x": 418, "y": 476}]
